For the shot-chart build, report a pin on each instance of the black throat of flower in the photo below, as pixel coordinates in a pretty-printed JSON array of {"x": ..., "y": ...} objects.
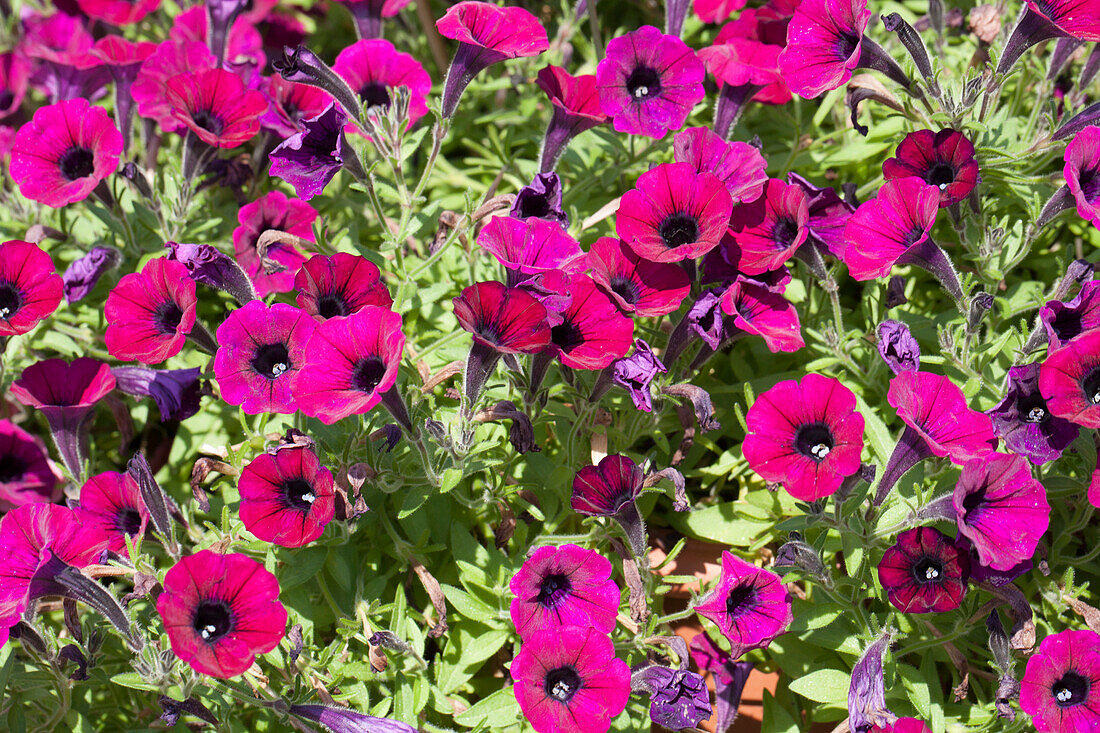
[
  {"x": 167, "y": 317},
  {"x": 678, "y": 229},
  {"x": 1090, "y": 385},
  {"x": 76, "y": 162},
  {"x": 128, "y": 521},
  {"x": 11, "y": 300},
  {"x": 12, "y": 468},
  {"x": 643, "y": 83},
  {"x": 298, "y": 494},
  {"x": 331, "y": 305},
  {"x": 815, "y": 441},
  {"x": 563, "y": 683},
  {"x": 941, "y": 175},
  {"x": 553, "y": 590},
  {"x": 271, "y": 360},
  {"x": 740, "y": 598},
  {"x": 1071, "y": 689},
  {"x": 367, "y": 373},
  {"x": 928, "y": 571},
  {"x": 213, "y": 620}
]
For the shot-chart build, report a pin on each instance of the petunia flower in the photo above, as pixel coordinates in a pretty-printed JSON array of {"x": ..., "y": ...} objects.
[
  {"x": 30, "y": 288},
  {"x": 64, "y": 152},
  {"x": 897, "y": 347},
  {"x": 542, "y": 199},
  {"x": 743, "y": 69},
  {"x": 749, "y": 605},
  {"x": 807, "y": 435},
  {"x": 635, "y": 374},
  {"x": 1069, "y": 380},
  {"x": 150, "y": 313},
  {"x": 111, "y": 503},
  {"x": 767, "y": 231},
  {"x": 118, "y": 12},
  {"x": 368, "y": 14},
  {"x": 25, "y": 473},
  {"x": 611, "y": 489},
  {"x": 739, "y": 166},
  {"x": 1046, "y": 19},
  {"x": 679, "y": 699},
  {"x": 576, "y": 105},
  {"x": 338, "y": 285},
  {"x": 563, "y": 586},
  {"x": 487, "y": 34},
  {"x": 240, "y": 47},
  {"x": 924, "y": 572},
  {"x": 756, "y": 310},
  {"x": 150, "y": 87},
  {"x": 943, "y": 159},
  {"x": 673, "y": 213},
  {"x": 636, "y": 284},
  {"x": 216, "y": 107},
  {"x": 81, "y": 276},
  {"x": 1060, "y": 688},
  {"x": 220, "y": 611},
  {"x": 1024, "y": 421},
  {"x": 649, "y": 82},
  {"x": 287, "y": 497},
  {"x": 531, "y": 246},
  {"x": 592, "y": 333},
  {"x": 829, "y": 214},
  {"x": 261, "y": 350},
  {"x": 716, "y": 11},
  {"x": 308, "y": 160},
  {"x": 274, "y": 270},
  {"x": 176, "y": 392},
  {"x": 372, "y": 68},
  {"x": 570, "y": 679},
  {"x": 1065, "y": 321},
  {"x": 290, "y": 104},
  {"x": 1082, "y": 173},
  {"x": 729, "y": 678},
  {"x": 1001, "y": 509}
]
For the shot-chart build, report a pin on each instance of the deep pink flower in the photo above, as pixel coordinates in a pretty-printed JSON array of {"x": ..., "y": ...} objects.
[
  {"x": 220, "y": 611},
  {"x": 260, "y": 351},
  {"x": 530, "y": 246},
  {"x": 823, "y": 45},
  {"x": 286, "y": 498},
  {"x": 611, "y": 489},
  {"x": 25, "y": 473},
  {"x": 569, "y": 679},
  {"x": 749, "y": 604},
  {"x": 59, "y": 38},
  {"x": 290, "y": 103},
  {"x": 739, "y": 166},
  {"x": 64, "y": 152},
  {"x": 1001, "y": 509},
  {"x": 507, "y": 320},
  {"x": 243, "y": 46},
  {"x": 924, "y": 572},
  {"x": 636, "y": 284},
  {"x": 338, "y": 285},
  {"x": 1060, "y": 689},
  {"x": 935, "y": 408},
  {"x": 576, "y": 109},
  {"x": 564, "y": 586},
  {"x": 30, "y": 288},
  {"x": 1078, "y": 19},
  {"x": 649, "y": 82},
  {"x": 592, "y": 333},
  {"x": 118, "y": 12},
  {"x": 674, "y": 213},
  {"x": 373, "y": 67},
  {"x": 888, "y": 226},
  {"x": 215, "y": 105},
  {"x": 111, "y": 502},
  {"x": 766, "y": 25},
  {"x": 744, "y": 69},
  {"x": 759, "y": 311},
  {"x": 716, "y": 11},
  {"x": 150, "y": 313},
  {"x": 1082, "y": 173},
  {"x": 943, "y": 159},
  {"x": 1069, "y": 380},
  {"x": 150, "y": 88},
  {"x": 767, "y": 231},
  {"x": 1064, "y": 322},
  {"x": 14, "y": 72},
  {"x": 276, "y": 272},
  {"x": 350, "y": 362},
  {"x": 807, "y": 435},
  {"x": 902, "y": 725}
]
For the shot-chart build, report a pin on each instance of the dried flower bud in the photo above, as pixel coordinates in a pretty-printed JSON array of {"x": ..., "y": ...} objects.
[{"x": 985, "y": 22}]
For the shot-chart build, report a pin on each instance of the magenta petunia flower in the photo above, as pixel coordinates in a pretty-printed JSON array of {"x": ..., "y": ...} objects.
[
  {"x": 25, "y": 473},
  {"x": 286, "y": 498},
  {"x": 486, "y": 35},
  {"x": 749, "y": 605},
  {"x": 30, "y": 288},
  {"x": 636, "y": 284},
  {"x": 1060, "y": 689},
  {"x": 527, "y": 247},
  {"x": 1024, "y": 421},
  {"x": 1046, "y": 19},
  {"x": 902, "y": 725},
  {"x": 118, "y": 12},
  {"x": 674, "y": 213},
  {"x": 373, "y": 67},
  {"x": 111, "y": 502},
  {"x": 649, "y": 82},
  {"x": 576, "y": 109},
  {"x": 569, "y": 679},
  {"x": 716, "y": 11},
  {"x": 122, "y": 59},
  {"x": 64, "y": 152},
  {"x": 260, "y": 351},
  {"x": 1082, "y": 173},
  {"x": 215, "y": 105},
  {"x": 943, "y": 159},
  {"x": 743, "y": 69},
  {"x": 350, "y": 362},
  {"x": 886, "y": 228},
  {"x": 290, "y": 103},
  {"x": 220, "y": 611},
  {"x": 807, "y": 435},
  {"x": 767, "y": 231},
  {"x": 593, "y": 333},
  {"x": 1069, "y": 380},
  {"x": 924, "y": 572},
  {"x": 368, "y": 14},
  {"x": 1001, "y": 509},
  {"x": 14, "y": 73},
  {"x": 1064, "y": 322},
  {"x": 275, "y": 270},
  {"x": 611, "y": 489},
  {"x": 338, "y": 285},
  {"x": 564, "y": 586},
  {"x": 823, "y": 45},
  {"x": 170, "y": 59},
  {"x": 759, "y": 311},
  {"x": 765, "y": 25},
  {"x": 150, "y": 313},
  {"x": 739, "y": 166}
]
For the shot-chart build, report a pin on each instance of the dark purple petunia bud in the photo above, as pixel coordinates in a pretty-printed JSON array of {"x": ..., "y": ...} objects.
[
  {"x": 303, "y": 66},
  {"x": 310, "y": 159},
  {"x": 210, "y": 266},
  {"x": 678, "y": 697},
  {"x": 1024, "y": 421},
  {"x": 729, "y": 679},
  {"x": 541, "y": 199},
  {"x": 153, "y": 496},
  {"x": 611, "y": 489},
  {"x": 895, "y": 292},
  {"x": 636, "y": 372},
  {"x": 897, "y": 347},
  {"x": 798, "y": 554},
  {"x": 81, "y": 276},
  {"x": 704, "y": 320},
  {"x": 176, "y": 391},
  {"x": 344, "y": 720},
  {"x": 173, "y": 709},
  {"x": 867, "y": 692}
]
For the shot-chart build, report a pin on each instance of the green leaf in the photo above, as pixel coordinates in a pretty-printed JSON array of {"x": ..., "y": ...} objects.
[
  {"x": 776, "y": 717},
  {"x": 469, "y": 606},
  {"x": 495, "y": 711},
  {"x": 134, "y": 681},
  {"x": 723, "y": 523},
  {"x": 824, "y": 685}
]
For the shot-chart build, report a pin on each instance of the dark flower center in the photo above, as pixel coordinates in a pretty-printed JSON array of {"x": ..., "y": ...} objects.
[
  {"x": 167, "y": 317},
  {"x": 1090, "y": 385},
  {"x": 1090, "y": 185},
  {"x": 1072, "y": 689},
  {"x": 213, "y": 620},
  {"x": 6, "y": 98},
  {"x": 367, "y": 374},
  {"x": 566, "y": 336},
  {"x": 625, "y": 288},
  {"x": 271, "y": 360},
  {"x": 375, "y": 95},
  {"x": 974, "y": 499},
  {"x": 553, "y": 590},
  {"x": 128, "y": 521},
  {"x": 678, "y": 229},
  {"x": 784, "y": 232},
  {"x": 1067, "y": 324},
  {"x": 643, "y": 83},
  {"x": 208, "y": 121},
  {"x": 941, "y": 174},
  {"x": 332, "y": 305},
  {"x": 846, "y": 45},
  {"x": 563, "y": 683},
  {"x": 739, "y": 599},
  {"x": 1033, "y": 409},
  {"x": 11, "y": 300},
  {"x": 298, "y": 494},
  {"x": 914, "y": 236},
  {"x": 11, "y": 468},
  {"x": 536, "y": 206},
  {"x": 814, "y": 441},
  {"x": 76, "y": 162},
  {"x": 928, "y": 571}
]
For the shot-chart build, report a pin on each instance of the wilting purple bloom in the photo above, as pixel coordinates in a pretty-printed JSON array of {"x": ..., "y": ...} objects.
[
  {"x": 210, "y": 266},
  {"x": 678, "y": 697},
  {"x": 540, "y": 199},
  {"x": 345, "y": 720},
  {"x": 867, "y": 692},
  {"x": 176, "y": 391},
  {"x": 729, "y": 679},
  {"x": 81, "y": 276},
  {"x": 705, "y": 318},
  {"x": 635, "y": 373},
  {"x": 1024, "y": 421},
  {"x": 1066, "y": 321},
  {"x": 897, "y": 347},
  {"x": 310, "y": 159}
]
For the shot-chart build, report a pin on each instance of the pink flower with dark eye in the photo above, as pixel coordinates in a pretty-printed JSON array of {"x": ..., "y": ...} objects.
[
  {"x": 649, "y": 82},
  {"x": 64, "y": 152},
  {"x": 823, "y": 45},
  {"x": 885, "y": 228},
  {"x": 286, "y": 498},
  {"x": 374, "y": 68},
  {"x": 1069, "y": 380},
  {"x": 111, "y": 502},
  {"x": 261, "y": 349},
  {"x": 150, "y": 313},
  {"x": 759, "y": 311},
  {"x": 1060, "y": 688},
  {"x": 26, "y": 476},
  {"x": 749, "y": 604},
  {"x": 943, "y": 159},
  {"x": 289, "y": 104},
  {"x": 216, "y": 106},
  {"x": 339, "y": 285},
  {"x": 807, "y": 435},
  {"x": 564, "y": 586},
  {"x": 924, "y": 572},
  {"x": 636, "y": 284},
  {"x": 1082, "y": 173},
  {"x": 507, "y": 320},
  {"x": 275, "y": 271},
  {"x": 674, "y": 213},
  {"x": 170, "y": 59},
  {"x": 220, "y": 611},
  {"x": 528, "y": 247},
  {"x": 739, "y": 166},
  {"x": 592, "y": 333},
  {"x": 611, "y": 489},
  {"x": 30, "y": 288},
  {"x": 935, "y": 408},
  {"x": 118, "y": 12},
  {"x": 767, "y": 231}
]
